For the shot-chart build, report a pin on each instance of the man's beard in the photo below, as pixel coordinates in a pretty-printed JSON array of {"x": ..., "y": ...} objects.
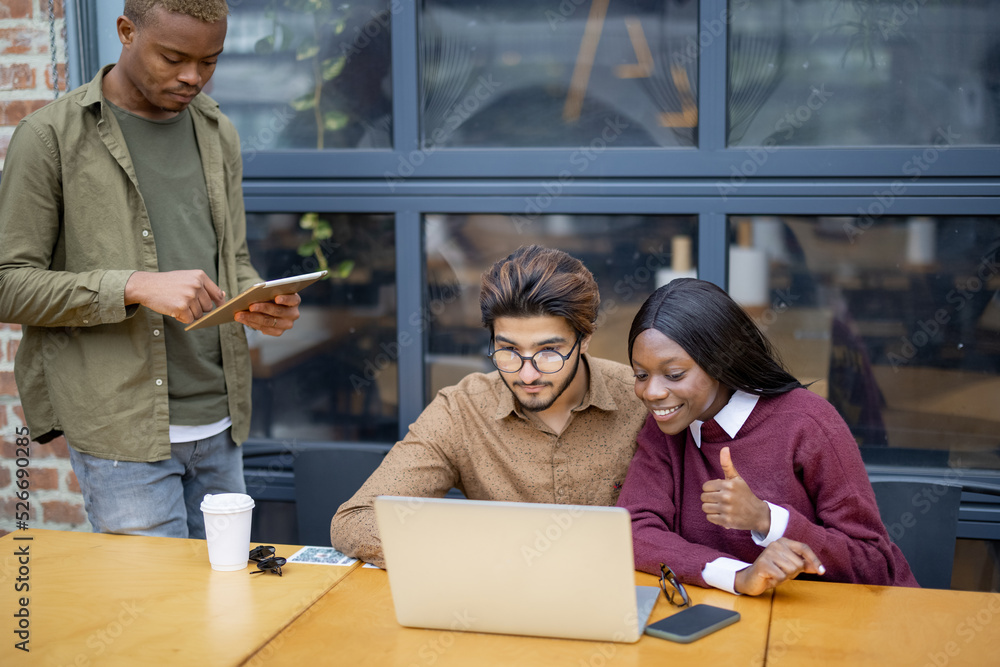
[{"x": 541, "y": 405}]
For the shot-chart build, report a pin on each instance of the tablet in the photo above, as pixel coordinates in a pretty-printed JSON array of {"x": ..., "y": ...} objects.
[{"x": 265, "y": 291}]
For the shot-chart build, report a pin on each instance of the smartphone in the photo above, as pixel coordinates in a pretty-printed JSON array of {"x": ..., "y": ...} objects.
[{"x": 692, "y": 623}]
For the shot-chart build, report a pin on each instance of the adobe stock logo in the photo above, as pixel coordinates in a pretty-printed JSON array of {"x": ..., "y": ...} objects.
[{"x": 562, "y": 522}]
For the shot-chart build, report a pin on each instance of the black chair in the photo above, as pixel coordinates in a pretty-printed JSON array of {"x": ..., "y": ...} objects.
[
  {"x": 926, "y": 535},
  {"x": 326, "y": 476},
  {"x": 921, "y": 516}
]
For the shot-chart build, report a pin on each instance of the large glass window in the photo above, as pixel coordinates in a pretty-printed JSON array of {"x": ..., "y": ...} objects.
[
  {"x": 891, "y": 72},
  {"x": 307, "y": 74},
  {"x": 896, "y": 321},
  {"x": 629, "y": 255},
  {"x": 559, "y": 73},
  {"x": 893, "y": 318},
  {"x": 332, "y": 376}
]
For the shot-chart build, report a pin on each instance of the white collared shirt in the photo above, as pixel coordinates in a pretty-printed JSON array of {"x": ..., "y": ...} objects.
[{"x": 721, "y": 572}]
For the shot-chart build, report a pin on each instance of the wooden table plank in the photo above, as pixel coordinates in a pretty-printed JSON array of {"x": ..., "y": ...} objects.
[
  {"x": 356, "y": 623},
  {"x": 126, "y": 600},
  {"x": 821, "y": 623}
]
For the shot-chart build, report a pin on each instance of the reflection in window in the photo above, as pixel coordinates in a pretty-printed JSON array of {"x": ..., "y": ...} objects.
[
  {"x": 559, "y": 73},
  {"x": 333, "y": 375},
  {"x": 895, "y": 72},
  {"x": 307, "y": 74},
  {"x": 629, "y": 256},
  {"x": 895, "y": 320}
]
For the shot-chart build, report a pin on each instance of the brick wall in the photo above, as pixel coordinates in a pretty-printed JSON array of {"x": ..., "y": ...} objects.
[
  {"x": 25, "y": 85},
  {"x": 54, "y": 498},
  {"x": 26, "y": 61}
]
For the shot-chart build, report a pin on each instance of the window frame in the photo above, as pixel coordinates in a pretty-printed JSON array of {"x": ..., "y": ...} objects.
[
  {"x": 710, "y": 159},
  {"x": 711, "y": 181}
]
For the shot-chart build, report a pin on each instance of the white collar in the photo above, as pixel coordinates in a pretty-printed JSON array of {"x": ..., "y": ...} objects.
[{"x": 731, "y": 417}]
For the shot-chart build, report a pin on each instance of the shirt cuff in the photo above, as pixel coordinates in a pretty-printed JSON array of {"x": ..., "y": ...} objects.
[
  {"x": 111, "y": 307},
  {"x": 721, "y": 573},
  {"x": 779, "y": 523}
]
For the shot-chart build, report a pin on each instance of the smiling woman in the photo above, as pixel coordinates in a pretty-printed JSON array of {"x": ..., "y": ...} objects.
[
  {"x": 743, "y": 478},
  {"x": 675, "y": 389},
  {"x": 719, "y": 335}
]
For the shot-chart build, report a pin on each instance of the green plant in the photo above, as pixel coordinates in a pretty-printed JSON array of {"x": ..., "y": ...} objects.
[
  {"x": 326, "y": 20},
  {"x": 321, "y": 231}
]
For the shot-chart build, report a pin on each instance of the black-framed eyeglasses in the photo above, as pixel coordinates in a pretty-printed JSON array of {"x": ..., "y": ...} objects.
[
  {"x": 266, "y": 560},
  {"x": 675, "y": 589},
  {"x": 544, "y": 361}
]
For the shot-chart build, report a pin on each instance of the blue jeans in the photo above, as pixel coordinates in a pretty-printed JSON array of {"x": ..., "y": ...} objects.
[{"x": 162, "y": 499}]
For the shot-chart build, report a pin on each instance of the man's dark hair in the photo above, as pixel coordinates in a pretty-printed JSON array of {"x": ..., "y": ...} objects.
[
  {"x": 716, "y": 333},
  {"x": 209, "y": 11},
  {"x": 535, "y": 281}
]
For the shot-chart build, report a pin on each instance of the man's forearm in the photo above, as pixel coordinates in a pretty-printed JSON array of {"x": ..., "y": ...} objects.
[
  {"x": 354, "y": 532},
  {"x": 41, "y": 297},
  {"x": 413, "y": 467}
]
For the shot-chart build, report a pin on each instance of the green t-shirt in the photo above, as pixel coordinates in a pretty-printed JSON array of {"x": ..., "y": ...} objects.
[{"x": 172, "y": 184}]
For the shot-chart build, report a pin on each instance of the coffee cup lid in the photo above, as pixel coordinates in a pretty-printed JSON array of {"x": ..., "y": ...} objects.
[{"x": 226, "y": 503}]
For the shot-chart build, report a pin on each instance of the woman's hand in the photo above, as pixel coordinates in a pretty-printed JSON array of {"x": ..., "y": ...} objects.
[
  {"x": 782, "y": 560},
  {"x": 730, "y": 503}
]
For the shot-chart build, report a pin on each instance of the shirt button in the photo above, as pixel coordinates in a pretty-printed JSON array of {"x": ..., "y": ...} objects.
[
  {"x": 86, "y": 321},
  {"x": 145, "y": 232},
  {"x": 156, "y": 332},
  {"x": 158, "y": 382}
]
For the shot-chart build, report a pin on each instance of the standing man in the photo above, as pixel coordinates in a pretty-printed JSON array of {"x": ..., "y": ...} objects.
[
  {"x": 122, "y": 220},
  {"x": 551, "y": 425}
]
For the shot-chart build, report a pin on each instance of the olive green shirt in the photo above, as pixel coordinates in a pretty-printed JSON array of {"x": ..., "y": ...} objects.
[
  {"x": 73, "y": 229},
  {"x": 474, "y": 436},
  {"x": 172, "y": 184}
]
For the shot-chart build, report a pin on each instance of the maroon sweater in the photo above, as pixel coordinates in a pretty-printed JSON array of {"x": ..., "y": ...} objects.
[{"x": 794, "y": 451}]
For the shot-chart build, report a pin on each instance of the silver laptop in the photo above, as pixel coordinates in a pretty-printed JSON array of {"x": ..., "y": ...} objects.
[{"x": 513, "y": 568}]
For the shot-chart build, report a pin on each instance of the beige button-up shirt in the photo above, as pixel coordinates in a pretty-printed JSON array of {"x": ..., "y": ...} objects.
[{"x": 475, "y": 437}]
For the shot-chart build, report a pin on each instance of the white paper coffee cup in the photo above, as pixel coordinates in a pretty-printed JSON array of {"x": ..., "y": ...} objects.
[{"x": 227, "y": 529}]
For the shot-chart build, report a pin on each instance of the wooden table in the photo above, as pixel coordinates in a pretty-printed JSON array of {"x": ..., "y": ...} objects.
[
  {"x": 821, "y": 623},
  {"x": 122, "y": 600},
  {"x": 355, "y": 624}
]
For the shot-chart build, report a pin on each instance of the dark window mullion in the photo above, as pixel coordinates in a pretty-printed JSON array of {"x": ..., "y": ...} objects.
[
  {"x": 405, "y": 78},
  {"x": 409, "y": 322},
  {"x": 713, "y": 34},
  {"x": 712, "y": 248}
]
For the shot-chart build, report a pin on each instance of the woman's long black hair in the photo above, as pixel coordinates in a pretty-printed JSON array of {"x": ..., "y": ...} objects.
[{"x": 716, "y": 333}]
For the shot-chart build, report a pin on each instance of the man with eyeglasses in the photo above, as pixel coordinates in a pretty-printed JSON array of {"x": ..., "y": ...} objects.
[{"x": 552, "y": 425}]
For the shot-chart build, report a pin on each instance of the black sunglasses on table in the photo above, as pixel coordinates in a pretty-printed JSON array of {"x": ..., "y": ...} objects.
[
  {"x": 266, "y": 560},
  {"x": 675, "y": 589}
]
